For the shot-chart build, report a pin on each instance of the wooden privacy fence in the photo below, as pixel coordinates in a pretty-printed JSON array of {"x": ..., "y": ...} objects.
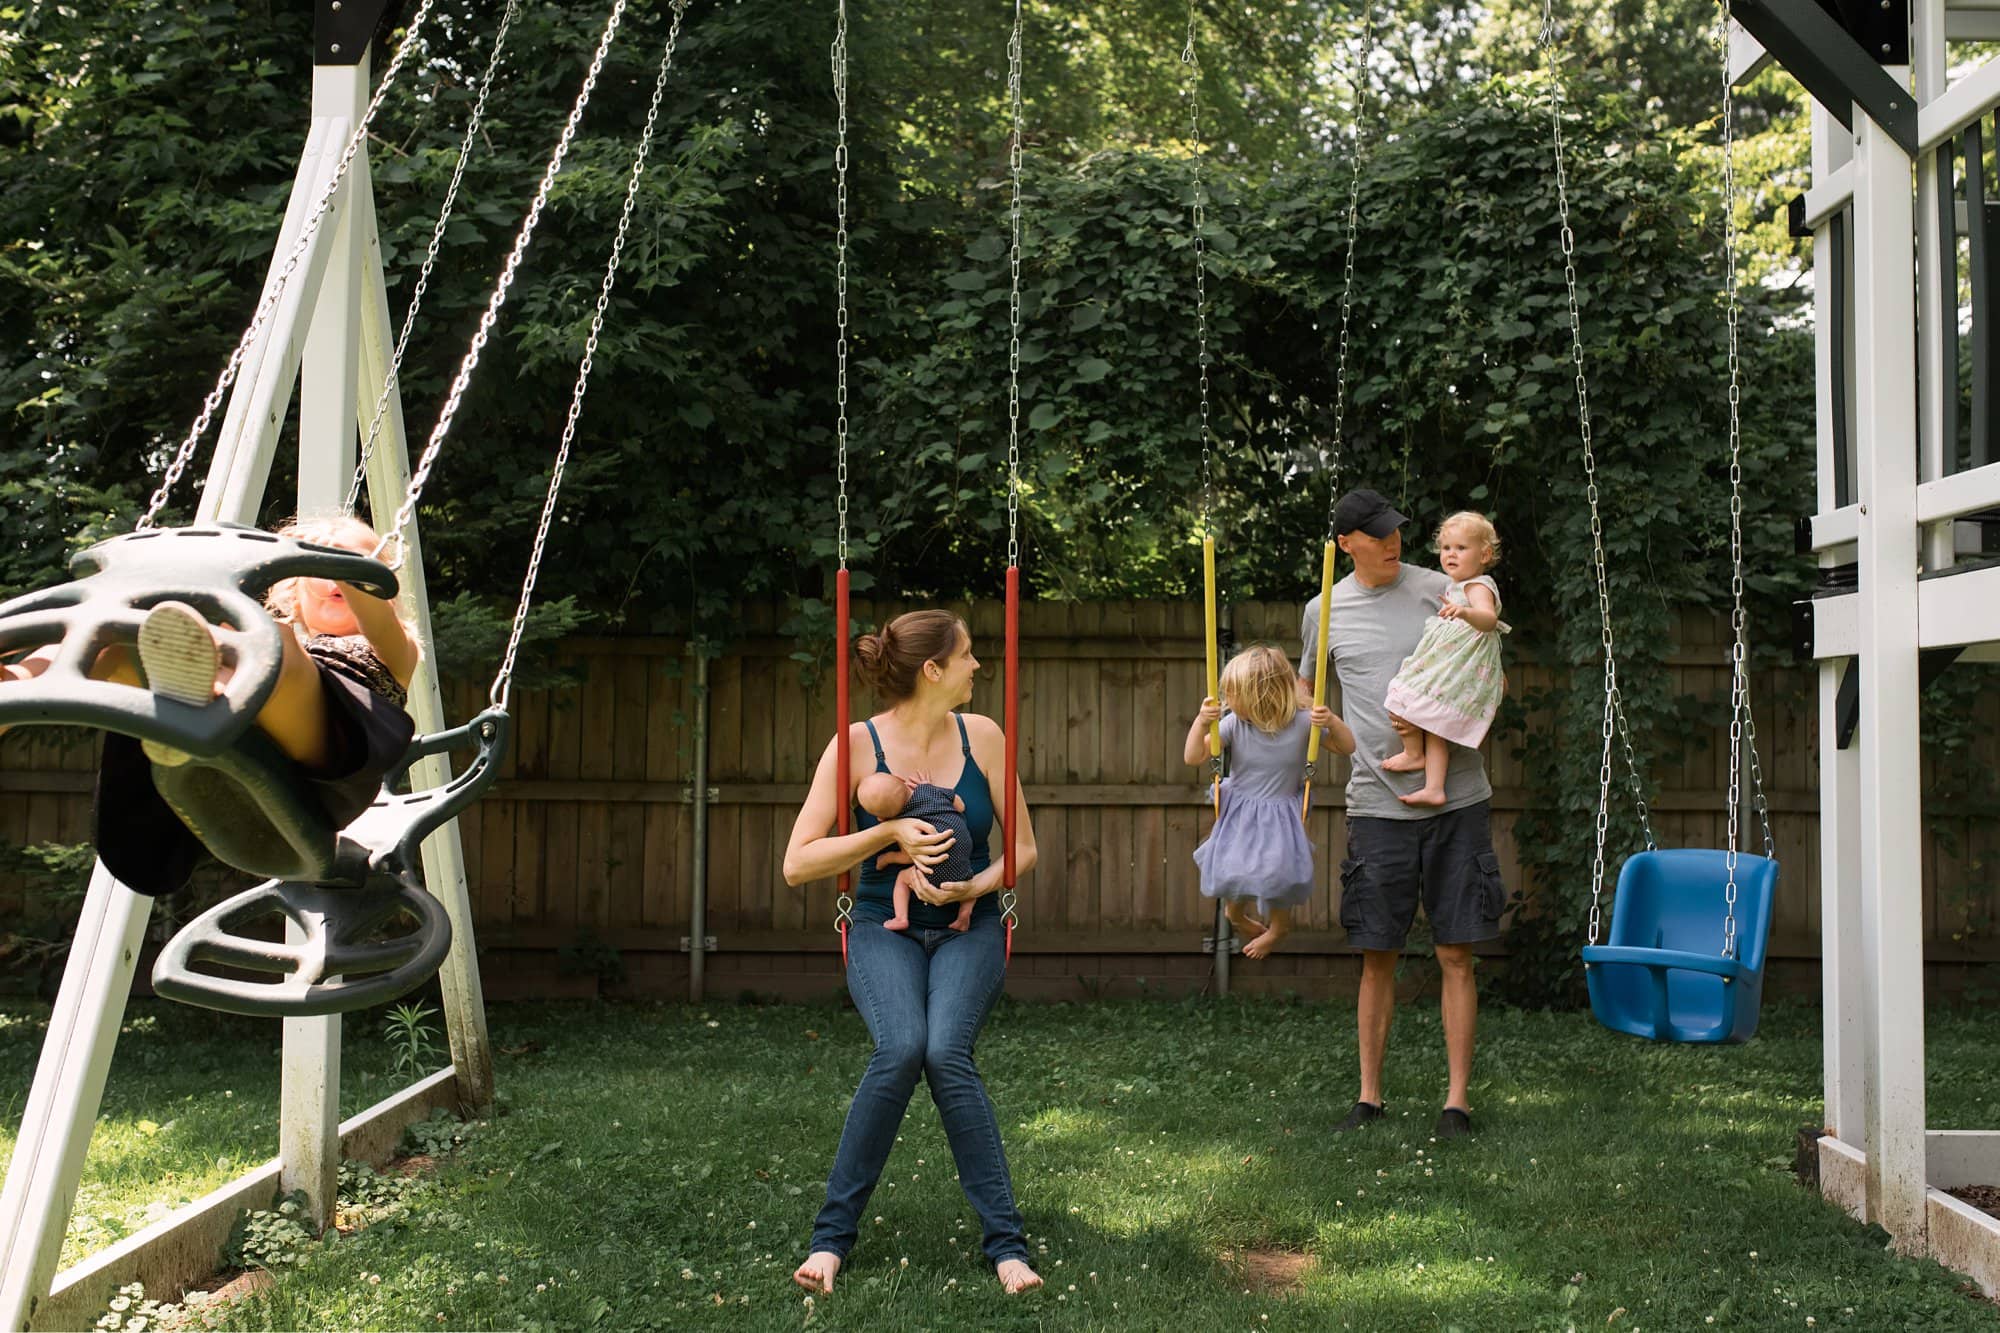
[{"x": 581, "y": 860}]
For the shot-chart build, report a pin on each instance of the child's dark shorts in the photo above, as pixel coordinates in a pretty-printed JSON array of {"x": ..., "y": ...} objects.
[
  {"x": 143, "y": 842},
  {"x": 1445, "y": 861}
]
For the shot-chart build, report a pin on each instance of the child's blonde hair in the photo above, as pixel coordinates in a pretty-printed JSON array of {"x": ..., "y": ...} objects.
[
  {"x": 340, "y": 530},
  {"x": 1482, "y": 529},
  {"x": 1260, "y": 687}
]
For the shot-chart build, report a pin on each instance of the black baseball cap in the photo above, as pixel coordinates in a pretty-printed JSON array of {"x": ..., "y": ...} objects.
[{"x": 1369, "y": 511}]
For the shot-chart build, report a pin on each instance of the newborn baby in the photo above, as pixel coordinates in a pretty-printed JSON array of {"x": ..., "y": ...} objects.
[{"x": 886, "y": 796}]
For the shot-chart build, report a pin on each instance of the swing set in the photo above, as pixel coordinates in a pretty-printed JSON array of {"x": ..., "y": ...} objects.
[{"x": 1684, "y": 957}]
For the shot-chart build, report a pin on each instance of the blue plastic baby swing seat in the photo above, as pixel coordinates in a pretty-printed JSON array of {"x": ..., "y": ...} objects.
[{"x": 1662, "y": 975}]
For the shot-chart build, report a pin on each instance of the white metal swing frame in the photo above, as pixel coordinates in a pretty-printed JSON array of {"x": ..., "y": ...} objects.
[
  {"x": 1878, "y": 1159},
  {"x": 331, "y": 334}
]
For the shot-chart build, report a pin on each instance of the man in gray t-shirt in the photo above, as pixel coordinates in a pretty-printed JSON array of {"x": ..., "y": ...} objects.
[{"x": 1399, "y": 855}]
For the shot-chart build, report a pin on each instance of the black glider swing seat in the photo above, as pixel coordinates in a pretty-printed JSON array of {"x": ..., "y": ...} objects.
[{"x": 247, "y": 801}]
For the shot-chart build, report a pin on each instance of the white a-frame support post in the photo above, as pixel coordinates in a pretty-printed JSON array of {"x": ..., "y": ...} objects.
[
  {"x": 1886, "y": 221},
  {"x": 331, "y": 329}
]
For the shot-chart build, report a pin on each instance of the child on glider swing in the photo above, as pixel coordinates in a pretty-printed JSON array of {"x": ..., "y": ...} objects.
[{"x": 336, "y": 711}]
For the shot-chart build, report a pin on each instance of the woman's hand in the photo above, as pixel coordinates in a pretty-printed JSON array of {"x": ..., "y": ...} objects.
[
  {"x": 925, "y": 846},
  {"x": 963, "y": 890}
]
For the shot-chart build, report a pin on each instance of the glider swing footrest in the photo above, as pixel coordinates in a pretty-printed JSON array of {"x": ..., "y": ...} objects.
[
  {"x": 349, "y": 959},
  {"x": 344, "y": 962}
]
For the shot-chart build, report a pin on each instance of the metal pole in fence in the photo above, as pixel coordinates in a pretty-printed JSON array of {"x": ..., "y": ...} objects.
[{"x": 698, "y": 916}]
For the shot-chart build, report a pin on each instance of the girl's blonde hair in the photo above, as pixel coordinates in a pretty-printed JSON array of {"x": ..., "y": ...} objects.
[
  {"x": 340, "y": 530},
  {"x": 1481, "y": 528},
  {"x": 1260, "y": 687}
]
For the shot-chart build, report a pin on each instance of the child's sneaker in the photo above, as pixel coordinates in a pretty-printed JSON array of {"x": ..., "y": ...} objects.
[{"x": 178, "y": 656}]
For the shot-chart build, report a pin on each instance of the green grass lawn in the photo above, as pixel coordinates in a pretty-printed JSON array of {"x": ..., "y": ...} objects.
[{"x": 659, "y": 1167}]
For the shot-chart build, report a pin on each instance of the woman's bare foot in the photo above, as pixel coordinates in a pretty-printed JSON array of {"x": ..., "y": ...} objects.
[
  {"x": 1016, "y": 1277},
  {"x": 1424, "y": 796},
  {"x": 816, "y": 1273},
  {"x": 1404, "y": 762},
  {"x": 1263, "y": 944}
]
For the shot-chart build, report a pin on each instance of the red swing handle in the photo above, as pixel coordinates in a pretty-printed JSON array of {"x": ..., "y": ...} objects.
[{"x": 842, "y": 760}]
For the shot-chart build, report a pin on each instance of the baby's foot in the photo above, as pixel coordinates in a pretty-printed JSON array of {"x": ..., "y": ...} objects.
[
  {"x": 1404, "y": 762},
  {"x": 1016, "y": 1277},
  {"x": 963, "y": 923},
  {"x": 177, "y": 652},
  {"x": 1263, "y": 944},
  {"x": 896, "y": 923},
  {"x": 817, "y": 1272},
  {"x": 1425, "y": 796}
]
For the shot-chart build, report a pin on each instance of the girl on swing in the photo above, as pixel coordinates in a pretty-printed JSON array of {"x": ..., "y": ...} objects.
[
  {"x": 336, "y": 711},
  {"x": 1257, "y": 859}
]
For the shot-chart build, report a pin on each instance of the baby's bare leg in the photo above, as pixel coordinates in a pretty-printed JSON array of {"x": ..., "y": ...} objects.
[
  {"x": 901, "y": 897},
  {"x": 295, "y": 714},
  {"x": 964, "y": 921}
]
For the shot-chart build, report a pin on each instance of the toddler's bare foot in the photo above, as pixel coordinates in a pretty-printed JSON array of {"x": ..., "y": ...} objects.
[
  {"x": 896, "y": 923},
  {"x": 1263, "y": 944},
  {"x": 1425, "y": 796},
  {"x": 1016, "y": 1277},
  {"x": 1404, "y": 762},
  {"x": 816, "y": 1273},
  {"x": 1246, "y": 925}
]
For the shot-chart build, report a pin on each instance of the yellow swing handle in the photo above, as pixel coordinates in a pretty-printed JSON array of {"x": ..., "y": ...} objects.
[
  {"x": 1319, "y": 671},
  {"x": 1214, "y": 728}
]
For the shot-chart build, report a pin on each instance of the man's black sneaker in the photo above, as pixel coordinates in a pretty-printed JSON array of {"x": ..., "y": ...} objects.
[
  {"x": 1362, "y": 1114},
  {"x": 1453, "y": 1124}
]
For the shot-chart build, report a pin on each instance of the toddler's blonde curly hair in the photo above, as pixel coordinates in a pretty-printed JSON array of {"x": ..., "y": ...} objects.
[
  {"x": 1481, "y": 530},
  {"x": 1260, "y": 687}
]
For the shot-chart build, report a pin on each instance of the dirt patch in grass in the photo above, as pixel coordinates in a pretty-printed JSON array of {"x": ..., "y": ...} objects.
[
  {"x": 200, "y": 1309},
  {"x": 1986, "y": 1198},
  {"x": 417, "y": 1164},
  {"x": 1269, "y": 1272}
]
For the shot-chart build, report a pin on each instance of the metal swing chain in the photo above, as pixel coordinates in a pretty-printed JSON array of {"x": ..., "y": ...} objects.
[
  {"x": 1190, "y": 57},
  {"x": 844, "y": 904},
  {"x": 1347, "y": 277},
  {"x": 473, "y": 122},
  {"x": 840, "y": 274},
  {"x": 1614, "y": 710},
  {"x": 1192, "y": 60},
  {"x": 503, "y": 681},
  {"x": 498, "y": 297},
  {"x": 275, "y": 287},
  {"x": 1742, "y": 729},
  {"x": 1007, "y": 896}
]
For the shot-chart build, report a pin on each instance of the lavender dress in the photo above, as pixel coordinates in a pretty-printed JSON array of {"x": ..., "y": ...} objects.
[{"x": 1258, "y": 848}]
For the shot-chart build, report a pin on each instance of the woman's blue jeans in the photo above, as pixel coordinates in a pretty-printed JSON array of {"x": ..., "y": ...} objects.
[{"x": 924, "y": 995}]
